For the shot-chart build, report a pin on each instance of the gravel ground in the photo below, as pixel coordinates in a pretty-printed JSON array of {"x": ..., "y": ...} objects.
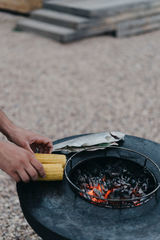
[{"x": 58, "y": 90}]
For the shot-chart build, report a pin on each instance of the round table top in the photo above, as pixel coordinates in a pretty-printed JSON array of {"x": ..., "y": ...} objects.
[{"x": 56, "y": 213}]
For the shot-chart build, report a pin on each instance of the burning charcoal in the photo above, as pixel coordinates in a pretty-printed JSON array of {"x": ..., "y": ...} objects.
[
  {"x": 130, "y": 192},
  {"x": 117, "y": 185},
  {"x": 133, "y": 182},
  {"x": 113, "y": 180},
  {"x": 119, "y": 181},
  {"x": 90, "y": 182},
  {"x": 141, "y": 191},
  {"x": 115, "y": 174},
  {"x": 84, "y": 186},
  {"x": 109, "y": 183},
  {"x": 111, "y": 196},
  {"x": 101, "y": 175},
  {"x": 133, "y": 196},
  {"x": 104, "y": 184},
  {"x": 123, "y": 182},
  {"x": 106, "y": 189},
  {"x": 97, "y": 180},
  {"x": 128, "y": 179},
  {"x": 98, "y": 193},
  {"x": 87, "y": 196},
  {"x": 85, "y": 176}
]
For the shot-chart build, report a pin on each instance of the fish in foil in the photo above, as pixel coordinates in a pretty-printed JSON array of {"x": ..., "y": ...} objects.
[{"x": 91, "y": 141}]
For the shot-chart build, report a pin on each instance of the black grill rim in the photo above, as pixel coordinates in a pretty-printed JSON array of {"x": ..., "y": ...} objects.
[{"x": 141, "y": 200}]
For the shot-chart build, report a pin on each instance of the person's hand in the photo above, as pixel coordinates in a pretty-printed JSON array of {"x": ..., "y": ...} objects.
[
  {"x": 19, "y": 163},
  {"x": 30, "y": 140}
]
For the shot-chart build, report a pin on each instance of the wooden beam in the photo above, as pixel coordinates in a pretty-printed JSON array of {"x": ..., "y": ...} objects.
[{"x": 23, "y": 6}]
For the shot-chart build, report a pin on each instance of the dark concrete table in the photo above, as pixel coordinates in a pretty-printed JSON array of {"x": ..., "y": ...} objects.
[{"x": 56, "y": 213}]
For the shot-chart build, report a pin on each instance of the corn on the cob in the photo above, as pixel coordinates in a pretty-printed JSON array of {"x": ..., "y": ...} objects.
[
  {"x": 54, "y": 172},
  {"x": 51, "y": 158}
]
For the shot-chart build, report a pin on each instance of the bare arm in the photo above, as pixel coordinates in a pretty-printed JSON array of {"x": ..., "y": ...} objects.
[
  {"x": 6, "y": 125},
  {"x": 24, "y": 138},
  {"x": 19, "y": 160}
]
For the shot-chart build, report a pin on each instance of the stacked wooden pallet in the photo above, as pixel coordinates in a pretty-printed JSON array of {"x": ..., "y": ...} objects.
[
  {"x": 22, "y": 6},
  {"x": 68, "y": 20}
]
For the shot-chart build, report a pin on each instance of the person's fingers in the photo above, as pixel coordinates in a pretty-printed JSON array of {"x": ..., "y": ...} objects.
[
  {"x": 23, "y": 175},
  {"x": 47, "y": 148},
  {"x": 50, "y": 150},
  {"x": 41, "y": 148},
  {"x": 40, "y": 141},
  {"x": 16, "y": 177},
  {"x": 28, "y": 147},
  {"x": 44, "y": 148},
  {"x": 32, "y": 172},
  {"x": 50, "y": 147},
  {"x": 38, "y": 166},
  {"x": 33, "y": 147},
  {"x": 41, "y": 144},
  {"x": 43, "y": 141}
]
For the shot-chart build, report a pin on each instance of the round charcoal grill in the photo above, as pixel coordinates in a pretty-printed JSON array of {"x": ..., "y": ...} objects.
[
  {"x": 138, "y": 162},
  {"x": 55, "y": 211}
]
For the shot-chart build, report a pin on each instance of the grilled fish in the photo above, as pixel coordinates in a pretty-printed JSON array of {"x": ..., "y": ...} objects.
[{"x": 90, "y": 141}]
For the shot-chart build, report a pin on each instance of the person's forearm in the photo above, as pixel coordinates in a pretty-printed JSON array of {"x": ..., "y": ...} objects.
[{"x": 6, "y": 126}]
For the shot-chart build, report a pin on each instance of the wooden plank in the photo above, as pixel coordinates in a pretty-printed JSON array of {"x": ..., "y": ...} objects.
[
  {"x": 100, "y": 8},
  {"x": 76, "y": 22},
  {"x": 130, "y": 16},
  {"x": 67, "y": 35},
  {"x": 59, "y": 18},
  {"x": 126, "y": 21},
  {"x": 137, "y": 30},
  {"x": 138, "y": 26},
  {"x": 58, "y": 33},
  {"x": 23, "y": 6}
]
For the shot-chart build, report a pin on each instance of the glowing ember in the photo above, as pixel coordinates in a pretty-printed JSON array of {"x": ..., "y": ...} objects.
[
  {"x": 113, "y": 183},
  {"x": 94, "y": 193},
  {"x": 100, "y": 195}
]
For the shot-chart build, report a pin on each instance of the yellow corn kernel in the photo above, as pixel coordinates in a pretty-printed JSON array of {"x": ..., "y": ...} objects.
[
  {"x": 54, "y": 172},
  {"x": 51, "y": 158}
]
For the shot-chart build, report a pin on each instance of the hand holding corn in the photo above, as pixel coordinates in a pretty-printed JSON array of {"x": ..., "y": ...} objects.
[
  {"x": 19, "y": 163},
  {"x": 17, "y": 159}
]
